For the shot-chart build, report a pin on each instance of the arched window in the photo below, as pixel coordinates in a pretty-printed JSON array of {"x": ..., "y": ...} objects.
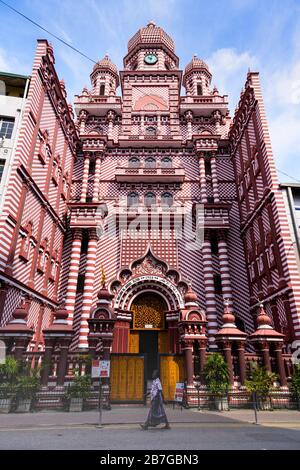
[
  {"x": 150, "y": 130},
  {"x": 150, "y": 199},
  {"x": 134, "y": 162},
  {"x": 102, "y": 89},
  {"x": 167, "y": 199},
  {"x": 132, "y": 199},
  {"x": 199, "y": 90},
  {"x": 150, "y": 162},
  {"x": 166, "y": 162}
]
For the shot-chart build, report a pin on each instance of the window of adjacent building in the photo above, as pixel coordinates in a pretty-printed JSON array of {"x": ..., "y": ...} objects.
[
  {"x": 102, "y": 89},
  {"x": 150, "y": 199},
  {"x": 150, "y": 162},
  {"x": 166, "y": 162},
  {"x": 167, "y": 199},
  {"x": 134, "y": 162},
  {"x": 132, "y": 199},
  {"x": 6, "y": 127},
  {"x": 218, "y": 284},
  {"x": 2, "y": 165}
]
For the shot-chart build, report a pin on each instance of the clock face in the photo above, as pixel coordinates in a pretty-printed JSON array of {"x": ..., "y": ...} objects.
[{"x": 150, "y": 59}]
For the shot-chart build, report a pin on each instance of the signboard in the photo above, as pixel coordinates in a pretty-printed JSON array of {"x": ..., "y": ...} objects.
[
  {"x": 104, "y": 369},
  {"x": 179, "y": 391},
  {"x": 95, "y": 368}
]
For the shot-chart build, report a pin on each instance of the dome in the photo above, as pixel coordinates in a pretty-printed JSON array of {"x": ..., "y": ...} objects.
[
  {"x": 190, "y": 296},
  {"x": 106, "y": 64},
  {"x": 151, "y": 34},
  {"x": 196, "y": 64}
]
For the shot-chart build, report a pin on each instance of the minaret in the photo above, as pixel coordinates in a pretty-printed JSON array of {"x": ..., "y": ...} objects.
[
  {"x": 104, "y": 78},
  {"x": 197, "y": 78}
]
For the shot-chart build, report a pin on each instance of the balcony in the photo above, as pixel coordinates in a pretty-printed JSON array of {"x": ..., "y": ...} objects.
[
  {"x": 97, "y": 105},
  {"x": 149, "y": 175},
  {"x": 204, "y": 105}
]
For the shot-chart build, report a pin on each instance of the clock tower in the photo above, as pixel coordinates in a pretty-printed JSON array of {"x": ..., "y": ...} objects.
[{"x": 151, "y": 85}]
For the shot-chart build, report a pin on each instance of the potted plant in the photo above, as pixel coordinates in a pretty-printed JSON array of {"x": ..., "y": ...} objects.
[
  {"x": 295, "y": 384},
  {"x": 260, "y": 384},
  {"x": 216, "y": 377},
  {"x": 78, "y": 391},
  {"x": 8, "y": 378}
]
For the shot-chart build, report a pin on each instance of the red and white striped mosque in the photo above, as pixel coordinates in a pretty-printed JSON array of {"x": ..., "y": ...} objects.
[{"x": 91, "y": 258}]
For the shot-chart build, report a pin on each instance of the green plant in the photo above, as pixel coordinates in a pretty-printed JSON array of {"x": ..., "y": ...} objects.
[
  {"x": 260, "y": 381},
  {"x": 216, "y": 375},
  {"x": 27, "y": 386},
  {"x": 9, "y": 370},
  {"x": 295, "y": 383},
  {"x": 80, "y": 387}
]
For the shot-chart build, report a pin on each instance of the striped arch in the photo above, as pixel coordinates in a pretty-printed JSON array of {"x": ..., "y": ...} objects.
[{"x": 157, "y": 284}]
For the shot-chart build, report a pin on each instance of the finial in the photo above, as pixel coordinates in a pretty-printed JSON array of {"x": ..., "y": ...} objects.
[
  {"x": 103, "y": 277},
  {"x": 151, "y": 24}
]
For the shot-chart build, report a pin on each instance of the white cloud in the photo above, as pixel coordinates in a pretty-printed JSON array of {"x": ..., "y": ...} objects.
[{"x": 11, "y": 64}]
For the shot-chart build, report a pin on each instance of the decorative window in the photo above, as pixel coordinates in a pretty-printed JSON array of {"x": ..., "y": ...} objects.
[
  {"x": 56, "y": 170},
  {"x": 150, "y": 130},
  {"x": 102, "y": 89},
  {"x": 54, "y": 266},
  {"x": 26, "y": 241},
  {"x": 199, "y": 90},
  {"x": 65, "y": 186},
  {"x": 43, "y": 256},
  {"x": 44, "y": 150},
  {"x": 167, "y": 199},
  {"x": 166, "y": 162},
  {"x": 218, "y": 284},
  {"x": 150, "y": 199},
  {"x": 132, "y": 199},
  {"x": 150, "y": 162},
  {"x": 134, "y": 162}
]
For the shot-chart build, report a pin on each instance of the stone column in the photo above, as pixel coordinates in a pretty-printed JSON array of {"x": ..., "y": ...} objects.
[
  {"x": 202, "y": 354},
  {"x": 64, "y": 344},
  {"x": 202, "y": 178},
  {"x": 214, "y": 178},
  {"x": 228, "y": 358},
  {"x": 280, "y": 364},
  {"x": 110, "y": 118},
  {"x": 189, "y": 122},
  {"x": 49, "y": 345},
  {"x": 85, "y": 178},
  {"x": 82, "y": 120},
  {"x": 265, "y": 349},
  {"x": 224, "y": 267},
  {"x": 73, "y": 274},
  {"x": 242, "y": 362},
  {"x": 188, "y": 352},
  {"x": 97, "y": 179},
  {"x": 21, "y": 344},
  {"x": 88, "y": 288},
  {"x": 211, "y": 311}
]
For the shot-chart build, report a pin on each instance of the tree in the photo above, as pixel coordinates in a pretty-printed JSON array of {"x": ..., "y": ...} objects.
[
  {"x": 260, "y": 382},
  {"x": 216, "y": 375}
]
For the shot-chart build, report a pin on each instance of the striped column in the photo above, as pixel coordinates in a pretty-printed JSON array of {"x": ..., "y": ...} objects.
[
  {"x": 214, "y": 178},
  {"x": 224, "y": 267},
  {"x": 73, "y": 274},
  {"x": 202, "y": 177},
  {"x": 211, "y": 310},
  {"x": 97, "y": 179},
  {"x": 88, "y": 288},
  {"x": 85, "y": 178}
]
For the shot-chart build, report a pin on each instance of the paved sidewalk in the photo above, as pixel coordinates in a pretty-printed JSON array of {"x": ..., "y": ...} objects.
[{"x": 124, "y": 415}]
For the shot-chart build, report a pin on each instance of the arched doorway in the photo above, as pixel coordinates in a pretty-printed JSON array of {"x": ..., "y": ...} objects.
[{"x": 148, "y": 328}]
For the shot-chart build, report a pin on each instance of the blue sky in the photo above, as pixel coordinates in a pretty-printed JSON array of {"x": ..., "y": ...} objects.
[{"x": 231, "y": 35}]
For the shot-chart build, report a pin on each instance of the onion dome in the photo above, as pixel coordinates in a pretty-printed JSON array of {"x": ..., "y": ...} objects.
[
  {"x": 107, "y": 65},
  {"x": 265, "y": 329},
  {"x": 20, "y": 314},
  {"x": 150, "y": 35},
  {"x": 190, "y": 296},
  {"x": 196, "y": 64},
  {"x": 61, "y": 314},
  {"x": 229, "y": 328}
]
